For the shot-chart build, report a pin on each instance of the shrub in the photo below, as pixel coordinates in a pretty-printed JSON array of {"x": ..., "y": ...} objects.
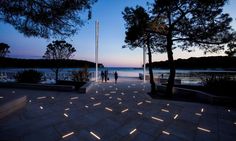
[
  {"x": 81, "y": 75},
  {"x": 28, "y": 76}
]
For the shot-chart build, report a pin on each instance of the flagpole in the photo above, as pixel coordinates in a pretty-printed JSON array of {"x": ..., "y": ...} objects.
[
  {"x": 144, "y": 65},
  {"x": 96, "y": 48}
]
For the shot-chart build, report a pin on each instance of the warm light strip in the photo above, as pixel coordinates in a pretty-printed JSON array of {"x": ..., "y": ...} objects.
[
  {"x": 131, "y": 132},
  {"x": 164, "y": 132},
  {"x": 202, "y": 110},
  {"x": 66, "y": 135},
  {"x": 203, "y": 129},
  {"x": 96, "y": 104},
  {"x": 74, "y": 98},
  {"x": 164, "y": 110},
  {"x": 96, "y": 136},
  {"x": 92, "y": 98},
  {"x": 119, "y": 99},
  {"x": 67, "y": 109},
  {"x": 140, "y": 103},
  {"x": 125, "y": 110},
  {"x": 198, "y": 114},
  {"x": 65, "y": 115},
  {"x": 41, "y": 107},
  {"x": 140, "y": 113},
  {"x": 109, "y": 109},
  {"x": 175, "y": 117},
  {"x": 148, "y": 101},
  {"x": 42, "y": 97},
  {"x": 155, "y": 118}
]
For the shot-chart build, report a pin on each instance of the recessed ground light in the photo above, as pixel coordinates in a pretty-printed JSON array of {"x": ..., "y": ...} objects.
[
  {"x": 133, "y": 96},
  {"x": 52, "y": 97},
  {"x": 139, "y": 103},
  {"x": 120, "y": 102},
  {"x": 13, "y": 92},
  {"x": 135, "y": 92},
  {"x": 119, "y": 99},
  {"x": 41, "y": 107},
  {"x": 228, "y": 110},
  {"x": 158, "y": 119},
  {"x": 167, "y": 104},
  {"x": 234, "y": 123},
  {"x": 198, "y": 114},
  {"x": 67, "y": 109},
  {"x": 165, "y": 110},
  {"x": 122, "y": 93},
  {"x": 203, "y": 129},
  {"x": 96, "y": 136},
  {"x": 148, "y": 101},
  {"x": 110, "y": 86},
  {"x": 140, "y": 113},
  {"x": 66, "y": 135},
  {"x": 125, "y": 110},
  {"x": 71, "y": 103},
  {"x": 42, "y": 97},
  {"x": 86, "y": 106},
  {"x": 113, "y": 92},
  {"x": 96, "y": 92},
  {"x": 116, "y": 88},
  {"x": 65, "y": 115},
  {"x": 72, "y": 98},
  {"x": 106, "y": 94},
  {"x": 30, "y": 101},
  {"x": 165, "y": 132},
  {"x": 1, "y": 97},
  {"x": 109, "y": 109},
  {"x": 202, "y": 110},
  {"x": 96, "y": 104},
  {"x": 175, "y": 117},
  {"x": 92, "y": 98},
  {"x": 132, "y": 131}
]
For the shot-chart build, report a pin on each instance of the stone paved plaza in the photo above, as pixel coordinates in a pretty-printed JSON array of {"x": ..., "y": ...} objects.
[{"x": 114, "y": 112}]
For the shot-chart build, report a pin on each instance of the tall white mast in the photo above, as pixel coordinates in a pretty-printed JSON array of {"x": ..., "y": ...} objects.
[
  {"x": 144, "y": 65},
  {"x": 96, "y": 48}
]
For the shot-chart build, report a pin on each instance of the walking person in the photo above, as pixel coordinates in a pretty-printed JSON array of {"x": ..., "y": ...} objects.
[
  {"x": 102, "y": 75},
  {"x": 116, "y": 76},
  {"x": 106, "y": 75}
]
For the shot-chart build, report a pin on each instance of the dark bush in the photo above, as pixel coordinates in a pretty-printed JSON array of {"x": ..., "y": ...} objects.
[
  {"x": 28, "y": 76},
  {"x": 81, "y": 75}
]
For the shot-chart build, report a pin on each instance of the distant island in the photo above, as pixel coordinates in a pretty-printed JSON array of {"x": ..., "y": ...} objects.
[
  {"x": 44, "y": 63},
  {"x": 200, "y": 63}
]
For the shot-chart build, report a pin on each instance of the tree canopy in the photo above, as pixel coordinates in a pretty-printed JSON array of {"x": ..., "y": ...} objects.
[
  {"x": 231, "y": 46},
  {"x": 4, "y": 49},
  {"x": 45, "y": 18}
]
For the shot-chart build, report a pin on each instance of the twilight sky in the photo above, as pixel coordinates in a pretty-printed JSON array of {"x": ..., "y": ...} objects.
[{"x": 112, "y": 34}]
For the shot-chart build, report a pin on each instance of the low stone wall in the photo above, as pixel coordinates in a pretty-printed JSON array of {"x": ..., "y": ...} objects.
[{"x": 86, "y": 87}]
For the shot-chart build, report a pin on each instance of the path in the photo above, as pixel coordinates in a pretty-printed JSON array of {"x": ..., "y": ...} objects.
[{"x": 113, "y": 112}]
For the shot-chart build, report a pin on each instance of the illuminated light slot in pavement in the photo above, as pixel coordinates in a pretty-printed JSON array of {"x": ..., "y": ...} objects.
[
  {"x": 140, "y": 103},
  {"x": 52, "y": 97},
  {"x": 164, "y": 110},
  {"x": 65, "y": 115},
  {"x": 228, "y": 110},
  {"x": 96, "y": 92},
  {"x": 92, "y": 98},
  {"x": 148, "y": 101},
  {"x": 140, "y": 113},
  {"x": 30, "y": 101},
  {"x": 86, "y": 106},
  {"x": 66, "y": 135},
  {"x": 67, "y": 109},
  {"x": 158, "y": 119},
  {"x": 133, "y": 84},
  {"x": 168, "y": 104},
  {"x": 106, "y": 94},
  {"x": 108, "y": 109},
  {"x": 128, "y": 86},
  {"x": 41, "y": 107},
  {"x": 132, "y": 131},
  {"x": 125, "y": 110},
  {"x": 120, "y": 102},
  {"x": 175, "y": 117},
  {"x": 119, "y": 99},
  {"x": 72, "y": 98},
  {"x": 96, "y": 136},
  {"x": 122, "y": 93},
  {"x": 71, "y": 103},
  {"x": 42, "y": 97},
  {"x": 135, "y": 92},
  {"x": 116, "y": 88},
  {"x": 113, "y": 92},
  {"x": 96, "y": 104},
  {"x": 234, "y": 123},
  {"x": 198, "y": 114},
  {"x": 110, "y": 97},
  {"x": 110, "y": 86},
  {"x": 1, "y": 97},
  {"x": 203, "y": 129},
  {"x": 13, "y": 92},
  {"x": 133, "y": 96},
  {"x": 165, "y": 132},
  {"x": 143, "y": 89},
  {"x": 202, "y": 110}
]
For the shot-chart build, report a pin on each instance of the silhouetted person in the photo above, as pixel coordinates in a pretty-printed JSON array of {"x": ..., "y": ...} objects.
[
  {"x": 106, "y": 75},
  {"x": 116, "y": 76},
  {"x": 102, "y": 75}
]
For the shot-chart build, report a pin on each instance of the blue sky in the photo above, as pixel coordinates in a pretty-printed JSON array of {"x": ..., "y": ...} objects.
[{"x": 112, "y": 34}]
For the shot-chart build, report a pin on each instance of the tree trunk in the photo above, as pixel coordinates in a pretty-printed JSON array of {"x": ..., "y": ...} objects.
[
  {"x": 56, "y": 72},
  {"x": 153, "y": 85},
  {"x": 170, "y": 85}
]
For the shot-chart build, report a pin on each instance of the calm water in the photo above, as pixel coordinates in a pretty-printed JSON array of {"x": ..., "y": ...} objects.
[{"x": 193, "y": 76}]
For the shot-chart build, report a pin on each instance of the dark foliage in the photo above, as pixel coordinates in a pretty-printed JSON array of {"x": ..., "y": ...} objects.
[
  {"x": 45, "y": 18},
  {"x": 28, "y": 76},
  {"x": 4, "y": 49},
  {"x": 81, "y": 75},
  {"x": 44, "y": 63},
  {"x": 200, "y": 63}
]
